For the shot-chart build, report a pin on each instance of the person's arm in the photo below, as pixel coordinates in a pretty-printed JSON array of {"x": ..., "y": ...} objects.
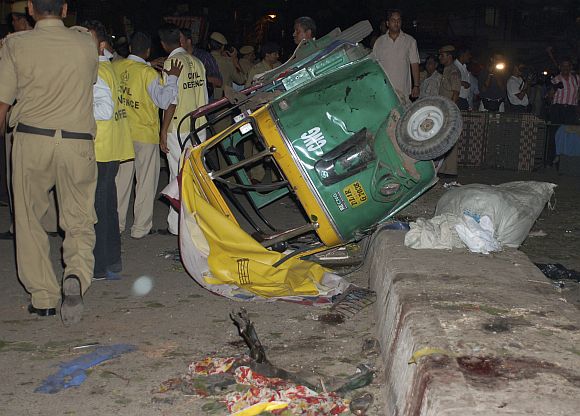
[
  {"x": 415, "y": 72},
  {"x": 455, "y": 85},
  {"x": 103, "y": 104},
  {"x": 167, "y": 117},
  {"x": 164, "y": 95},
  {"x": 414, "y": 60}
]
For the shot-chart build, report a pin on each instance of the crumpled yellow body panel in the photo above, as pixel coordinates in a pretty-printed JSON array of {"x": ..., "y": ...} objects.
[{"x": 235, "y": 258}]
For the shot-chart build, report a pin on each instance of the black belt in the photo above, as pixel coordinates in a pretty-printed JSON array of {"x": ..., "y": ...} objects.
[{"x": 24, "y": 128}]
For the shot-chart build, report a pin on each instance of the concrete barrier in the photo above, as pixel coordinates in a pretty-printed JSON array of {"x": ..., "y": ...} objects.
[{"x": 491, "y": 335}]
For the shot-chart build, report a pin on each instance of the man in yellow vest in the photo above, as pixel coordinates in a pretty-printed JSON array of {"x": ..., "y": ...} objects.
[
  {"x": 142, "y": 95},
  {"x": 112, "y": 145},
  {"x": 192, "y": 94}
]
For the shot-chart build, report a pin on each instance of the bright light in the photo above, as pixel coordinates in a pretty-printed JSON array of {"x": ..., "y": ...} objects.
[
  {"x": 500, "y": 66},
  {"x": 545, "y": 73},
  {"x": 272, "y": 15}
]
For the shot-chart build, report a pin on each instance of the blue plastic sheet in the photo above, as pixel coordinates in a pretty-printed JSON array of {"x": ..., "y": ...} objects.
[{"x": 73, "y": 373}]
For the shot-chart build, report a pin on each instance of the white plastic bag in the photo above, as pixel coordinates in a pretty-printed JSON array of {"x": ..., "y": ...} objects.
[
  {"x": 478, "y": 236},
  {"x": 512, "y": 207}
]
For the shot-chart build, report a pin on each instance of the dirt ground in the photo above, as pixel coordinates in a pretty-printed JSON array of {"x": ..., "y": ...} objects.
[{"x": 178, "y": 322}]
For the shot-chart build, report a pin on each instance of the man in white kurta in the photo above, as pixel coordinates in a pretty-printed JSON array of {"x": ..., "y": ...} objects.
[{"x": 397, "y": 53}]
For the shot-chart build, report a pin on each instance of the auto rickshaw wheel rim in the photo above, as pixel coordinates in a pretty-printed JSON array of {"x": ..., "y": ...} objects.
[{"x": 425, "y": 123}]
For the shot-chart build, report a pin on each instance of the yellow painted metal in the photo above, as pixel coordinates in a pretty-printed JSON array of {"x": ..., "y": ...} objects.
[{"x": 297, "y": 178}]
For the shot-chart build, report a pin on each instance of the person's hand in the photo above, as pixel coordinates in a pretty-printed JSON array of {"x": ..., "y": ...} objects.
[
  {"x": 175, "y": 69},
  {"x": 163, "y": 141},
  {"x": 158, "y": 63},
  {"x": 465, "y": 84},
  {"x": 415, "y": 91}
]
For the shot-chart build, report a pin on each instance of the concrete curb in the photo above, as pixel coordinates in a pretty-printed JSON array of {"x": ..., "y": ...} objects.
[{"x": 490, "y": 333}]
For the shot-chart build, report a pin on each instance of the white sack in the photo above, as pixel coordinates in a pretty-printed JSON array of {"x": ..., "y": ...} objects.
[
  {"x": 512, "y": 207},
  {"x": 438, "y": 232}
]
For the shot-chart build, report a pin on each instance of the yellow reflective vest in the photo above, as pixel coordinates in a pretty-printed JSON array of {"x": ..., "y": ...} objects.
[
  {"x": 142, "y": 113},
  {"x": 113, "y": 140},
  {"x": 192, "y": 90}
]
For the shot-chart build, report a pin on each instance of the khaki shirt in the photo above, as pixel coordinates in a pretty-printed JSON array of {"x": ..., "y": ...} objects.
[
  {"x": 396, "y": 57},
  {"x": 50, "y": 71},
  {"x": 229, "y": 74},
  {"x": 451, "y": 81},
  {"x": 258, "y": 69},
  {"x": 246, "y": 65}
]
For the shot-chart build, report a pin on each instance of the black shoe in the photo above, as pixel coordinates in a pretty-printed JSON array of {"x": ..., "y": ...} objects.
[
  {"x": 72, "y": 306},
  {"x": 41, "y": 312}
]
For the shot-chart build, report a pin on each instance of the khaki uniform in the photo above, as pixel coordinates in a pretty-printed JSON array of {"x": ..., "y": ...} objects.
[
  {"x": 229, "y": 74},
  {"x": 246, "y": 65},
  {"x": 450, "y": 81},
  {"x": 50, "y": 72},
  {"x": 257, "y": 69}
]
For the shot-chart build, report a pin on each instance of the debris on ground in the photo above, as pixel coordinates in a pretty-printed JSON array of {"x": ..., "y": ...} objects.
[
  {"x": 172, "y": 254},
  {"x": 352, "y": 301},
  {"x": 556, "y": 271},
  {"x": 360, "y": 404},
  {"x": 73, "y": 373},
  {"x": 249, "y": 385}
]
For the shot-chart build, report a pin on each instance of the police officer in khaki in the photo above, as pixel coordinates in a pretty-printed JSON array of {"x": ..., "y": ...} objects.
[
  {"x": 227, "y": 60},
  {"x": 53, "y": 147}
]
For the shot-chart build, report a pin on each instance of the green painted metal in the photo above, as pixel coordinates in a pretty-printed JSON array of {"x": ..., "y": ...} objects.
[{"x": 335, "y": 126}]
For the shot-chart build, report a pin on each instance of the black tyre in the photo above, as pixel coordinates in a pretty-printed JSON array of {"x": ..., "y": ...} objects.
[{"x": 429, "y": 128}]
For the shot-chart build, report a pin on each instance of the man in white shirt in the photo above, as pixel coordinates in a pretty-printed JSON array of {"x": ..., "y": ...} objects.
[
  {"x": 396, "y": 51},
  {"x": 463, "y": 58},
  {"x": 517, "y": 91}
]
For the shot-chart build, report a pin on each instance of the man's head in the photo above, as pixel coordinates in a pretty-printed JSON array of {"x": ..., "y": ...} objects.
[
  {"x": 431, "y": 64},
  {"x": 464, "y": 54},
  {"x": 217, "y": 42},
  {"x": 518, "y": 69},
  {"x": 446, "y": 55},
  {"x": 170, "y": 37},
  {"x": 140, "y": 45},
  {"x": 39, "y": 9},
  {"x": 271, "y": 52},
  {"x": 394, "y": 21},
  {"x": 248, "y": 52},
  {"x": 99, "y": 33},
  {"x": 304, "y": 29},
  {"x": 21, "y": 20},
  {"x": 185, "y": 40},
  {"x": 565, "y": 66}
]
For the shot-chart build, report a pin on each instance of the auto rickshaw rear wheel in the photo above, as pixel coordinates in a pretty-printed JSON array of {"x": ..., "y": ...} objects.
[{"x": 429, "y": 128}]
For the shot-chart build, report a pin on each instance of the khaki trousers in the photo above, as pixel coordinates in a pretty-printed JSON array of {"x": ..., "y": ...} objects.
[
  {"x": 449, "y": 166},
  {"x": 41, "y": 163},
  {"x": 145, "y": 170},
  {"x": 50, "y": 219}
]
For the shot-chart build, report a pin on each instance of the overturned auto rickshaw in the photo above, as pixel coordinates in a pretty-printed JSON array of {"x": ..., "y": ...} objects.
[{"x": 326, "y": 132}]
